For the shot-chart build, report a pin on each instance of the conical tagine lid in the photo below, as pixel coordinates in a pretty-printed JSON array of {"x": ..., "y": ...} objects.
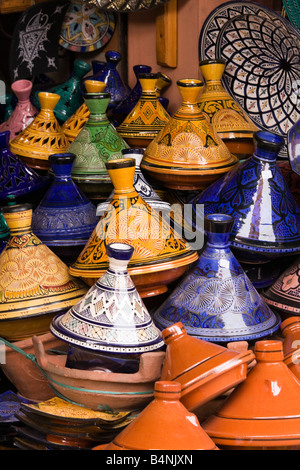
[
  {"x": 65, "y": 216},
  {"x": 284, "y": 294},
  {"x": 204, "y": 369},
  {"x": 148, "y": 116},
  {"x": 111, "y": 317},
  {"x": 73, "y": 125},
  {"x": 187, "y": 153},
  {"x": 215, "y": 300},
  {"x": 164, "y": 424},
  {"x": 263, "y": 412},
  {"x": 226, "y": 116},
  {"x": 43, "y": 137},
  {"x": 16, "y": 178},
  {"x": 158, "y": 249},
  {"x": 256, "y": 195},
  {"x": 33, "y": 280}
]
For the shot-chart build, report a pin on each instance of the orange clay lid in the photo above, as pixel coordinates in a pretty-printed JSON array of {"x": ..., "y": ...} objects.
[
  {"x": 290, "y": 329},
  {"x": 165, "y": 424},
  {"x": 204, "y": 369},
  {"x": 264, "y": 410}
]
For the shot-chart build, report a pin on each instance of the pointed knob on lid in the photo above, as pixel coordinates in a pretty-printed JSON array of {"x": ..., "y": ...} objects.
[
  {"x": 173, "y": 332},
  {"x": 269, "y": 351},
  {"x": 218, "y": 228},
  {"x": 212, "y": 69},
  {"x": 18, "y": 217},
  {"x": 94, "y": 86},
  {"x": 22, "y": 89},
  {"x": 62, "y": 163},
  {"x": 189, "y": 89},
  {"x": 167, "y": 390},
  {"x": 48, "y": 100},
  {"x": 121, "y": 173},
  {"x": 267, "y": 145},
  {"x": 289, "y": 324},
  {"x": 148, "y": 82},
  {"x": 113, "y": 57}
]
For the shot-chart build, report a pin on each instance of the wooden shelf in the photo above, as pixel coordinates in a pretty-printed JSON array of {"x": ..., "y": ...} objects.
[{"x": 16, "y": 6}]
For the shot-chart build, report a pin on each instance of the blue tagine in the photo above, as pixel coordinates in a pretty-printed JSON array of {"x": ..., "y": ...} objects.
[
  {"x": 110, "y": 327},
  {"x": 65, "y": 218},
  {"x": 215, "y": 300},
  {"x": 255, "y": 193}
]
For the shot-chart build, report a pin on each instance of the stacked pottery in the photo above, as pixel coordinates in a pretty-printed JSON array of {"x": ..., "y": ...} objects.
[
  {"x": 147, "y": 118},
  {"x": 187, "y": 154},
  {"x": 160, "y": 257},
  {"x": 226, "y": 116},
  {"x": 215, "y": 300},
  {"x": 97, "y": 142},
  {"x": 125, "y": 106},
  {"x": 263, "y": 411},
  {"x": 65, "y": 218},
  {"x": 35, "y": 284},
  {"x": 293, "y": 138},
  {"x": 23, "y": 113},
  {"x": 43, "y": 137},
  {"x": 165, "y": 424},
  {"x": 72, "y": 126},
  {"x": 266, "y": 216},
  {"x": 141, "y": 185},
  {"x": 290, "y": 329},
  {"x": 204, "y": 370},
  {"x": 112, "y": 342},
  {"x": 16, "y": 178}
]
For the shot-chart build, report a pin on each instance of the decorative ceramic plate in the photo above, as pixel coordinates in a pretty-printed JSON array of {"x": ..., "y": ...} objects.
[
  {"x": 292, "y": 8},
  {"x": 86, "y": 28},
  {"x": 262, "y": 71}
]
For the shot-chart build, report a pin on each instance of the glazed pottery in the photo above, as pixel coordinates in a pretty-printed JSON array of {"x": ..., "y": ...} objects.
[
  {"x": 224, "y": 113},
  {"x": 4, "y": 232},
  {"x": 164, "y": 424},
  {"x": 127, "y": 6},
  {"x": 65, "y": 218},
  {"x": 16, "y": 178},
  {"x": 290, "y": 329},
  {"x": 142, "y": 187},
  {"x": 148, "y": 116},
  {"x": 97, "y": 142},
  {"x": 73, "y": 125},
  {"x": 128, "y": 102},
  {"x": 292, "y": 179},
  {"x": 22, "y": 371},
  {"x": 187, "y": 154},
  {"x": 293, "y": 138},
  {"x": 255, "y": 194},
  {"x": 160, "y": 254},
  {"x": 43, "y": 137},
  {"x": 100, "y": 390},
  {"x": 24, "y": 111},
  {"x": 110, "y": 319},
  {"x": 34, "y": 283},
  {"x": 284, "y": 294},
  {"x": 70, "y": 92},
  {"x": 215, "y": 300},
  {"x": 263, "y": 411},
  {"x": 204, "y": 370}
]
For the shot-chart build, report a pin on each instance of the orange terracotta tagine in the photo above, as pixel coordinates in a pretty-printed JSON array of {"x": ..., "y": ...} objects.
[
  {"x": 263, "y": 412},
  {"x": 187, "y": 154},
  {"x": 148, "y": 116},
  {"x": 204, "y": 369},
  {"x": 290, "y": 329},
  {"x": 34, "y": 283},
  {"x": 165, "y": 424},
  {"x": 226, "y": 116},
  {"x": 75, "y": 123},
  {"x": 43, "y": 137},
  {"x": 160, "y": 254}
]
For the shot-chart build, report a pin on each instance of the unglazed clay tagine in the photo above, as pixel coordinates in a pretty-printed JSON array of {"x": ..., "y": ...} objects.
[
  {"x": 148, "y": 116},
  {"x": 255, "y": 194},
  {"x": 164, "y": 424},
  {"x": 34, "y": 283},
  {"x": 187, "y": 154},
  {"x": 263, "y": 411},
  {"x": 97, "y": 142},
  {"x": 101, "y": 390},
  {"x": 160, "y": 256},
  {"x": 43, "y": 137},
  {"x": 215, "y": 300},
  {"x": 204, "y": 370},
  {"x": 73, "y": 125},
  {"x": 16, "y": 178},
  {"x": 224, "y": 113},
  {"x": 65, "y": 217},
  {"x": 141, "y": 185},
  {"x": 111, "y": 319},
  {"x": 24, "y": 111}
]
